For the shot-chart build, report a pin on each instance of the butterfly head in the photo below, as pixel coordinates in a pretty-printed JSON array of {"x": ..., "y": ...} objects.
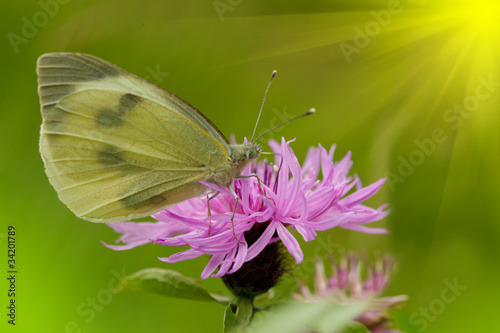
[
  {"x": 243, "y": 153},
  {"x": 240, "y": 156}
]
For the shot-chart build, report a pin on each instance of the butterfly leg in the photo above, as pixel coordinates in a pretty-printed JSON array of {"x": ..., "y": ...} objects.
[
  {"x": 234, "y": 212},
  {"x": 209, "y": 212},
  {"x": 258, "y": 180}
]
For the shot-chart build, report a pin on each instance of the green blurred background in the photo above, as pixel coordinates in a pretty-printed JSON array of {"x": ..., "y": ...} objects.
[{"x": 403, "y": 86}]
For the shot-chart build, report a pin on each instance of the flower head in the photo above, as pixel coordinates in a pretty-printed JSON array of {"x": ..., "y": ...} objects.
[
  {"x": 284, "y": 201},
  {"x": 351, "y": 282}
]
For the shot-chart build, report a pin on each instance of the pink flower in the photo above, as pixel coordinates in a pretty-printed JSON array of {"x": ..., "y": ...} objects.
[
  {"x": 291, "y": 200},
  {"x": 350, "y": 282}
]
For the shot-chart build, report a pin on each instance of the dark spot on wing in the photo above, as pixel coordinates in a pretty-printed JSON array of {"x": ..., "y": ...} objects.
[
  {"x": 107, "y": 117},
  {"x": 109, "y": 156},
  {"x": 128, "y": 102}
]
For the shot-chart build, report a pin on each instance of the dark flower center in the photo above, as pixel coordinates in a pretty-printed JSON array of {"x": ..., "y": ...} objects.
[{"x": 262, "y": 272}]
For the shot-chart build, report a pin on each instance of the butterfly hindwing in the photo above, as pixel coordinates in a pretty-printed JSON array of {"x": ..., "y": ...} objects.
[{"x": 117, "y": 147}]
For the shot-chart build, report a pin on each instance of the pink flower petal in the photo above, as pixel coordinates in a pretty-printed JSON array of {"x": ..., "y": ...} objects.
[
  {"x": 362, "y": 194},
  {"x": 263, "y": 240},
  {"x": 364, "y": 229},
  {"x": 212, "y": 266},
  {"x": 290, "y": 242},
  {"x": 182, "y": 256}
]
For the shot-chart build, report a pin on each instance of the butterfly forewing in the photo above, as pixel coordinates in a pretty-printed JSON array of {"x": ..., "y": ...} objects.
[
  {"x": 60, "y": 74},
  {"x": 117, "y": 147}
]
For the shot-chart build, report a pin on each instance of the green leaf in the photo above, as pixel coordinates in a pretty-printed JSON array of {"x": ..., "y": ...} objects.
[
  {"x": 322, "y": 316},
  {"x": 237, "y": 315},
  {"x": 167, "y": 282}
]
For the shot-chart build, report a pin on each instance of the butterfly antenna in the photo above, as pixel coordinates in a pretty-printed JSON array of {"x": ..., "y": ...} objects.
[
  {"x": 311, "y": 111},
  {"x": 262, "y": 106}
]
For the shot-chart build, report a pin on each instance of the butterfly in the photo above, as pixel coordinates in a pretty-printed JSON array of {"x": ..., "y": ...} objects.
[{"x": 117, "y": 147}]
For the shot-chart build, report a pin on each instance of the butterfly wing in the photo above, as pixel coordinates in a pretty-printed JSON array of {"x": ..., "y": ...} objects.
[{"x": 117, "y": 147}]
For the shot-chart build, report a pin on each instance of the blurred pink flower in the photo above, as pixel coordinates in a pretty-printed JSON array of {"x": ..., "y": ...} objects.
[
  {"x": 351, "y": 282},
  {"x": 293, "y": 200}
]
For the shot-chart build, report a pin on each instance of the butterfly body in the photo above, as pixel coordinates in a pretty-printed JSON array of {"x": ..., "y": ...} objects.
[
  {"x": 239, "y": 157},
  {"x": 117, "y": 147}
]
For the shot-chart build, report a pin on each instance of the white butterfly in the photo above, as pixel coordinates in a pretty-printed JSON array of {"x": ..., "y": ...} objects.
[{"x": 117, "y": 147}]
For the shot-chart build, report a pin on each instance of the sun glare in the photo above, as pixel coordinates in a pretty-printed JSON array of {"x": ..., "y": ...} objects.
[{"x": 482, "y": 16}]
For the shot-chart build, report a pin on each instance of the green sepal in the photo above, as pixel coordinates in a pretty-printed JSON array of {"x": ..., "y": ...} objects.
[{"x": 238, "y": 315}]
